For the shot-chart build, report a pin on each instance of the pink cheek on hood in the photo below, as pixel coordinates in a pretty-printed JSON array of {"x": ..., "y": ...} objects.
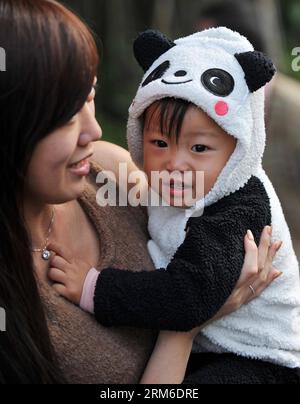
[{"x": 221, "y": 108}]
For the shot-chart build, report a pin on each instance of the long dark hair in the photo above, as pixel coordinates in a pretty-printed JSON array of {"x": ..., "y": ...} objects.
[{"x": 51, "y": 62}]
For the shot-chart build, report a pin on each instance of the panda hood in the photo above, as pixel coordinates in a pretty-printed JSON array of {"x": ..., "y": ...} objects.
[{"x": 218, "y": 71}]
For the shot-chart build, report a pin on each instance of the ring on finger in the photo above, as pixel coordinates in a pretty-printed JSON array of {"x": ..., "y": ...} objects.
[{"x": 252, "y": 290}]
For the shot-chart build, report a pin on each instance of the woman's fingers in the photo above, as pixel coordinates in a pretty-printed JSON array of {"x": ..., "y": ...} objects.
[
  {"x": 263, "y": 248},
  {"x": 273, "y": 250},
  {"x": 258, "y": 271},
  {"x": 268, "y": 266},
  {"x": 250, "y": 267},
  {"x": 264, "y": 278},
  {"x": 253, "y": 282},
  {"x": 258, "y": 286}
]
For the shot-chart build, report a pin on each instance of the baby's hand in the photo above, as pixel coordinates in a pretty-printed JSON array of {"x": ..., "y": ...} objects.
[{"x": 66, "y": 273}]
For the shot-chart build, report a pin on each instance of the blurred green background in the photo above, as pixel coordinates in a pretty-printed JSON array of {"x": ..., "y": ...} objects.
[
  {"x": 117, "y": 23},
  {"x": 273, "y": 26}
]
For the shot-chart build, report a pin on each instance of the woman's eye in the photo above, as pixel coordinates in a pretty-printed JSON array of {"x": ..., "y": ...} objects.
[
  {"x": 93, "y": 93},
  {"x": 95, "y": 87},
  {"x": 160, "y": 143},
  {"x": 199, "y": 148},
  {"x": 218, "y": 82}
]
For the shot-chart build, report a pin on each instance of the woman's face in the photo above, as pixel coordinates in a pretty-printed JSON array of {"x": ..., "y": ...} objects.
[{"x": 60, "y": 162}]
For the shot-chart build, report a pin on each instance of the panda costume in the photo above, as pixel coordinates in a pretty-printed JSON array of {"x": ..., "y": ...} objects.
[{"x": 218, "y": 71}]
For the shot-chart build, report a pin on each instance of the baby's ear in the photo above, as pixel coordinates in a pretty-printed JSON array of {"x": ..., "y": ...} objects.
[
  {"x": 149, "y": 46},
  {"x": 258, "y": 69}
]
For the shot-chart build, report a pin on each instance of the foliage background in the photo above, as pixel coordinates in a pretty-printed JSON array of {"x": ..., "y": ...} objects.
[{"x": 117, "y": 23}]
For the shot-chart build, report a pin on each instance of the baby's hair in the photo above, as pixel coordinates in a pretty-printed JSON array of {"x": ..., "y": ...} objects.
[{"x": 170, "y": 112}]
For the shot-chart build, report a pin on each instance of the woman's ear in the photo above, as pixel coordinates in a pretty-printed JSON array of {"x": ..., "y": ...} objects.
[
  {"x": 258, "y": 69},
  {"x": 149, "y": 46}
]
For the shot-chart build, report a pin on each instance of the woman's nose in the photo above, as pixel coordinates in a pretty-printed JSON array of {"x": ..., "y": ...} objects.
[{"x": 91, "y": 130}]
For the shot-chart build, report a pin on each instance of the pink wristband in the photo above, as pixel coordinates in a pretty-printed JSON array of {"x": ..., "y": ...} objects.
[{"x": 87, "y": 297}]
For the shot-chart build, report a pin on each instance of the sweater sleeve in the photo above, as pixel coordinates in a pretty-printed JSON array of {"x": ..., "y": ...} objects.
[{"x": 198, "y": 280}]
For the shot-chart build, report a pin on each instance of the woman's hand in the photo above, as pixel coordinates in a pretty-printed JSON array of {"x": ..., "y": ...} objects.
[
  {"x": 169, "y": 360},
  {"x": 257, "y": 274}
]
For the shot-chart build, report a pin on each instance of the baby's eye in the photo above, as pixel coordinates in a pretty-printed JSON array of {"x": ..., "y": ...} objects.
[
  {"x": 160, "y": 143},
  {"x": 199, "y": 148}
]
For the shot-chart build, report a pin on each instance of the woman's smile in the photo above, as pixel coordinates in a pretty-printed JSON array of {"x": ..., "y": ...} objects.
[{"x": 82, "y": 167}]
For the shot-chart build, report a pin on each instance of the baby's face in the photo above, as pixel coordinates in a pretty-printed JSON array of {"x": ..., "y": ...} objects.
[{"x": 202, "y": 146}]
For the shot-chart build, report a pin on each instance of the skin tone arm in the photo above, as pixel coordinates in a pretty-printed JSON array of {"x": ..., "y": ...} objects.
[
  {"x": 169, "y": 359},
  {"x": 109, "y": 155}
]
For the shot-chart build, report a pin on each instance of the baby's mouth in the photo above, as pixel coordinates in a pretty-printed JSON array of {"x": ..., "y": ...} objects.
[{"x": 179, "y": 184}]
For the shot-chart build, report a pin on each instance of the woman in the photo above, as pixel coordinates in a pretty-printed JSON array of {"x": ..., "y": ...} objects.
[{"x": 48, "y": 133}]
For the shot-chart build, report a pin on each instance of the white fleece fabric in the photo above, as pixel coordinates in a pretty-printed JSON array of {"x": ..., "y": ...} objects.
[{"x": 269, "y": 327}]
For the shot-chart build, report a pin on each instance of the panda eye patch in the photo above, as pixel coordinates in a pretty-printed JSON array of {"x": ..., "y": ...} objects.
[
  {"x": 218, "y": 82},
  {"x": 157, "y": 73}
]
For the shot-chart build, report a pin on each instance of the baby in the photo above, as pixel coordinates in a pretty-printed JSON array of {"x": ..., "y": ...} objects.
[{"x": 200, "y": 108}]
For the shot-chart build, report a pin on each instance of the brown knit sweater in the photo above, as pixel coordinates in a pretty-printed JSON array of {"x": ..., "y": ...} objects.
[{"x": 88, "y": 352}]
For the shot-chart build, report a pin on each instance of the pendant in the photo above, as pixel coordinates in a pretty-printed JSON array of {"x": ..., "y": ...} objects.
[{"x": 46, "y": 255}]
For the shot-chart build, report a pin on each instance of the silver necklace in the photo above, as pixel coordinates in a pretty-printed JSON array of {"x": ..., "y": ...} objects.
[{"x": 46, "y": 254}]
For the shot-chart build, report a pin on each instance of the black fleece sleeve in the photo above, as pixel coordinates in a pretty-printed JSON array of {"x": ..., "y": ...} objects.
[{"x": 199, "y": 279}]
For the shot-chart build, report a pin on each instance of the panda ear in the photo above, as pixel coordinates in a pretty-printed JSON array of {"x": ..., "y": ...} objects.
[
  {"x": 149, "y": 46},
  {"x": 258, "y": 68}
]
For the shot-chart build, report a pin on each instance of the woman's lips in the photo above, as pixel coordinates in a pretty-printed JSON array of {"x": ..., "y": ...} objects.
[{"x": 81, "y": 169}]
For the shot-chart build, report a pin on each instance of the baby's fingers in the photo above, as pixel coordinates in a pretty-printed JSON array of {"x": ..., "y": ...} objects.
[
  {"x": 63, "y": 252},
  {"x": 60, "y": 290},
  {"x": 58, "y": 262},
  {"x": 57, "y": 276}
]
